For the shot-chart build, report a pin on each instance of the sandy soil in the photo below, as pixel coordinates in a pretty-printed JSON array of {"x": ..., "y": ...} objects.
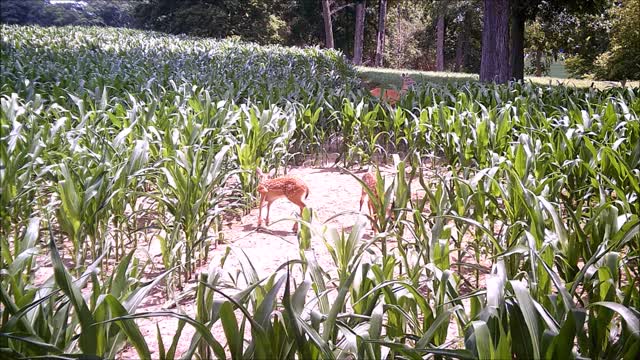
[
  {"x": 334, "y": 197},
  {"x": 331, "y": 193}
]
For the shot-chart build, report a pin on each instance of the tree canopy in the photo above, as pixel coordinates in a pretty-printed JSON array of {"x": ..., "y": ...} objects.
[
  {"x": 116, "y": 13},
  {"x": 594, "y": 38}
]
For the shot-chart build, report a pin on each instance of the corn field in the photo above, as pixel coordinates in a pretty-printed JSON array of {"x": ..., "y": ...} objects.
[{"x": 527, "y": 245}]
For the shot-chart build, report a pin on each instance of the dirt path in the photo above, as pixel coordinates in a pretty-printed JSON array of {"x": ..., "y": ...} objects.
[
  {"x": 331, "y": 193},
  {"x": 334, "y": 198}
]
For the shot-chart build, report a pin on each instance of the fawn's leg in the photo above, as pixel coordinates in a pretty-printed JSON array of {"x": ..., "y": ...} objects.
[
  {"x": 362, "y": 195},
  {"x": 298, "y": 201},
  {"x": 260, "y": 211},
  {"x": 374, "y": 216},
  {"x": 268, "y": 209}
]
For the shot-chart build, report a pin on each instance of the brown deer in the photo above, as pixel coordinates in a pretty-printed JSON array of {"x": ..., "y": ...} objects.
[
  {"x": 293, "y": 188},
  {"x": 392, "y": 96},
  {"x": 369, "y": 178}
]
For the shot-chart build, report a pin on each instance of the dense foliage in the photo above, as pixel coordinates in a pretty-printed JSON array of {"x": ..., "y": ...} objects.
[
  {"x": 118, "y": 60},
  {"x": 262, "y": 21},
  {"x": 622, "y": 60},
  {"x": 526, "y": 241},
  {"x": 598, "y": 38},
  {"x": 89, "y": 12}
]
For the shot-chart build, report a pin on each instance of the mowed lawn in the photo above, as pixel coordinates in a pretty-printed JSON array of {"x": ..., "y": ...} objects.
[{"x": 392, "y": 77}]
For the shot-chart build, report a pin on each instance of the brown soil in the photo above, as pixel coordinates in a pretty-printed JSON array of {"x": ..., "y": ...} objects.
[
  {"x": 334, "y": 197},
  {"x": 331, "y": 193}
]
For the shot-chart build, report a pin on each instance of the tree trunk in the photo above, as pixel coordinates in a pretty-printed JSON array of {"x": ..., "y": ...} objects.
[
  {"x": 461, "y": 44},
  {"x": 359, "y": 38},
  {"x": 494, "y": 65},
  {"x": 328, "y": 26},
  {"x": 440, "y": 43},
  {"x": 517, "y": 43},
  {"x": 539, "y": 65},
  {"x": 382, "y": 16}
]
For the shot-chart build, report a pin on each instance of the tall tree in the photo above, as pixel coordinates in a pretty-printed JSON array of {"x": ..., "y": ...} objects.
[
  {"x": 464, "y": 19},
  {"x": 518, "y": 19},
  {"x": 440, "y": 30},
  {"x": 494, "y": 65},
  {"x": 382, "y": 16},
  {"x": 328, "y": 10},
  {"x": 523, "y": 10},
  {"x": 328, "y": 25},
  {"x": 440, "y": 11},
  {"x": 462, "y": 41},
  {"x": 359, "y": 37}
]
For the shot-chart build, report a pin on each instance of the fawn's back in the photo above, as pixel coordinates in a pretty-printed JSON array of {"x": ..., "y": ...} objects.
[
  {"x": 293, "y": 188},
  {"x": 287, "y": 186},
  {"x": 390, "y": 95},
  {"x": 369, "y": 178},
  {"x": 371, "y": 181}
]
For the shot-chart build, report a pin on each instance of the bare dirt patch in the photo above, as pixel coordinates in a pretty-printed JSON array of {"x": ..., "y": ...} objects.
[
  {"x": 334, "y": 198},
  {"x": 331, "y": 193}
]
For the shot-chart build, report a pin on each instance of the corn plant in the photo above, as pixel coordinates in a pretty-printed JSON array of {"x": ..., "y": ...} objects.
[{"x": 525, "y": 241}]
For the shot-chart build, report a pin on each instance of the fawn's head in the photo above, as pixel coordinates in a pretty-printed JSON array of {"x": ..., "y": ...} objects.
[{"x": 407, "y": 81}]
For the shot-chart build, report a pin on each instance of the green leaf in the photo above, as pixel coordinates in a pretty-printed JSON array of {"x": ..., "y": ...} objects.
[
  {"x": 119, "y": 282},
  {"x": 441, "y": 320},
  {"x": 483, "y": 340},
  {"x": 128, "y": 326},
  {"x": 161, "y": 351},
  {"x": 33, "y": 340},
  {"x": 529, "y": 312},
  {"x": 88, "y": 334},
  {"x": 230, "y": 326},
  {"x": 632, "y": 321},
  {"x": 171, "y": 354},
  {"x": 17, "y": 266}
]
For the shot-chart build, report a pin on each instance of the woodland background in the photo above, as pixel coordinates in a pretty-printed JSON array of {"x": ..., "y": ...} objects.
[{"x": 597, "y": 39}]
